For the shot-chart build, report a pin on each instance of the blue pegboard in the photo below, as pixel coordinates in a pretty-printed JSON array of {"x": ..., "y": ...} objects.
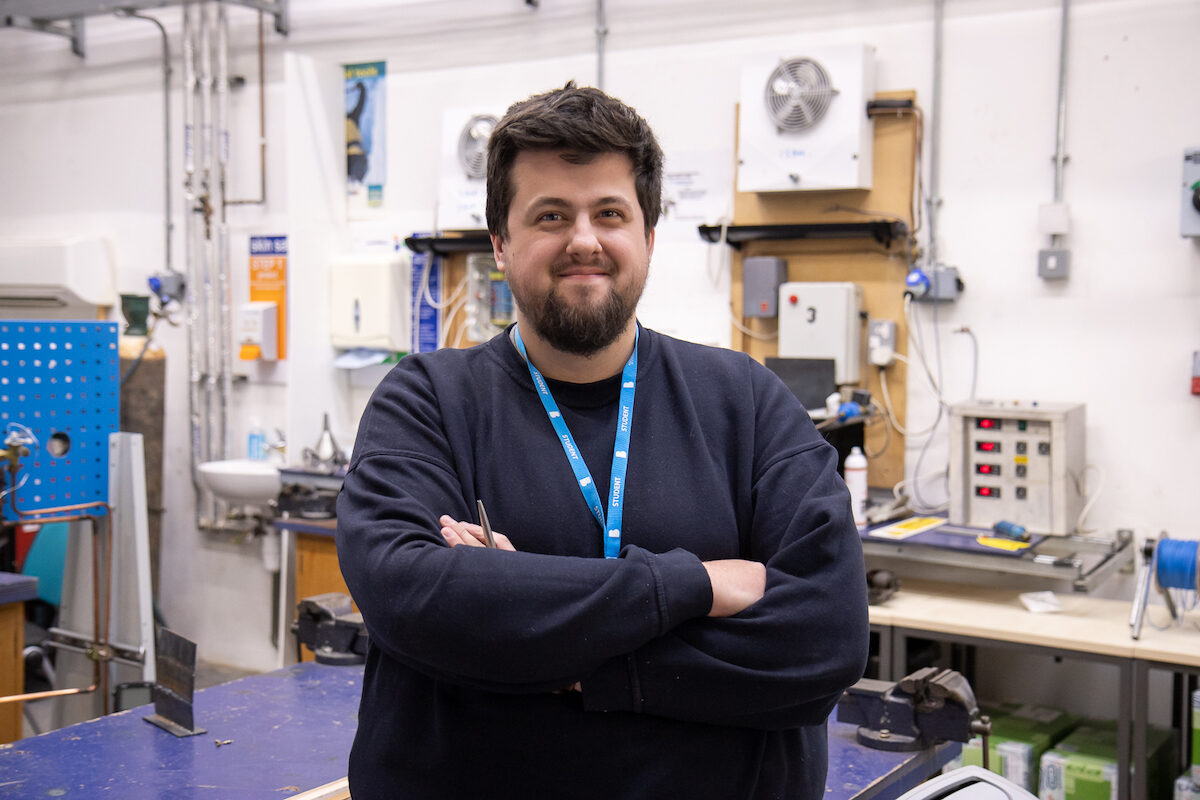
[{"x": 60, "y": 378}]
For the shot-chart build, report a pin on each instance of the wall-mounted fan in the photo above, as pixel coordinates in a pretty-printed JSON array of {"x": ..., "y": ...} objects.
[
  {"x": 802, "y": 120},
  {"x": 798, "y": 93},
  {"x": 462, "y": 191},
  {"x": 472, "y": 145}
]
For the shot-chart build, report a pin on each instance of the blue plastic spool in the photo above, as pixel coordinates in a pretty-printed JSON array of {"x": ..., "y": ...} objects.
[
  {"x": 61, "y": 380},
  {"x": 1176, "y": 564}
]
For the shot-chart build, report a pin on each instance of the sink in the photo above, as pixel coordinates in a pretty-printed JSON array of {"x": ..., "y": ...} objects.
[{"x": 241, "y": 480}]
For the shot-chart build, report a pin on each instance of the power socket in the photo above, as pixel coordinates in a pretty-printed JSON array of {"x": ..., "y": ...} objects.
[{"x": 881, "y": 342}]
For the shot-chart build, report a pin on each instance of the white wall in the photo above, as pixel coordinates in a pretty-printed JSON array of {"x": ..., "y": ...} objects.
[{"x": 81, "y": 150}]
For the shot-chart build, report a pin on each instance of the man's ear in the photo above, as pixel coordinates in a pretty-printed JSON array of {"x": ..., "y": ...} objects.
[{"x": 498, "y": 251}]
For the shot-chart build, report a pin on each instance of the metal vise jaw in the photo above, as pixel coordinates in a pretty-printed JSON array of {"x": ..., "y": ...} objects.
[{"x": 929, "y": 706}]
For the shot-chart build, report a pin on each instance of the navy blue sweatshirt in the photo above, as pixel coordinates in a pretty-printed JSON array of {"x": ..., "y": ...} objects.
[{"x": 472, "y": 649}]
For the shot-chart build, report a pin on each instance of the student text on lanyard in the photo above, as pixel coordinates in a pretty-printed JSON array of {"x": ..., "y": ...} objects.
[{"x": 610, "y": 524}]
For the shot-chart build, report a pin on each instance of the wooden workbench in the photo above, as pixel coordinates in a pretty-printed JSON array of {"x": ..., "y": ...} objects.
[{"x": 1086, "y": 628}]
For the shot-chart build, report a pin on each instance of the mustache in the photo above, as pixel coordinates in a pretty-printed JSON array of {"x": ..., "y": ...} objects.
[{"x": 602, "y": 264}]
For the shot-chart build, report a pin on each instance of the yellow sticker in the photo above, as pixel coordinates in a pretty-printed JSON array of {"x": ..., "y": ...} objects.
[
  {"x": 1020, "y": 459},
  {"x": 1011, "y": 545}
]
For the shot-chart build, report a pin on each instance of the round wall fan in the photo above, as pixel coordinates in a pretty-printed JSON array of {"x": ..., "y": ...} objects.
[
  {"x": 472, "y": 145},
  {"x": 797, "y": 94}
]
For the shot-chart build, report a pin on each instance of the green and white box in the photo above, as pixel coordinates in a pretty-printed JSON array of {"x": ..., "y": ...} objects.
[
  {"x": 1196, "y": 737},
  {"x": 1020, "y": 735},
  {"x": 1083, "y": 766}
]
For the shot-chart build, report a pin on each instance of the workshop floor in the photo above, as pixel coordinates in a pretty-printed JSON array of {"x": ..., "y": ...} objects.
[{"x": 207, "y": 675}]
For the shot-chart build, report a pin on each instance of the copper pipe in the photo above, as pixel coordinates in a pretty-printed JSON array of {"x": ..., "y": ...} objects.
[
  {"x": 20, "y": 698},
  {"x": 99, "y": 633}
]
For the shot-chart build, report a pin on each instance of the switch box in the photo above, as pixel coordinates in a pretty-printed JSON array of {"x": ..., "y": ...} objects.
[
  {"x": 761, "y": 277},
  {"x": 881, "y": 342},
  {"x": 822, "y": 320},
  {"x": 1189, "y": 222},
  {"x": 1054, "y": 264},
  {"x": 1017, "y": 461}
]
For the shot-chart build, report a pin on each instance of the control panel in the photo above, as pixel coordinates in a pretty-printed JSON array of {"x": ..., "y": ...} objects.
[{"x": 1018, "y": 461}]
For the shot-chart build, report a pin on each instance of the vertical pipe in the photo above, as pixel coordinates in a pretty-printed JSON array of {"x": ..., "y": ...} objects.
[
  {"x": 192, "y": 251},
  {"x": 934, "y": 200},
  {"x": 209, "y": 254},
  {"x": 224, "y": 319},
  {"x": 601, "y": 35},
  {"x": 1060, "y": 156}
]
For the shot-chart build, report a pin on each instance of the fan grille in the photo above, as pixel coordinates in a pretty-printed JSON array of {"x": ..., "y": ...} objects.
[
  {"x": 472, "y": 145},
  {"x": 797, "y": 94}
]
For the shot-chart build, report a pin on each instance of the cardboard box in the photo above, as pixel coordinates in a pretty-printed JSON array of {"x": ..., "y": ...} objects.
[
  {"x": 1020, "y": 735},
  {"x": 1083, "y": 766}
]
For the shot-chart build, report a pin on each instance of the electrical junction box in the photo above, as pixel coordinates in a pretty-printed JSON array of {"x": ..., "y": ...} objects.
[
  {"x": 370, "y": 302},
  {"x": 1189, "y": 222},
  {"x": 761, "y": 277},
  {"x": 821, "y": 320},
  {"x": 1018, "y": 461},
  {"x": 802, "y": 120}
]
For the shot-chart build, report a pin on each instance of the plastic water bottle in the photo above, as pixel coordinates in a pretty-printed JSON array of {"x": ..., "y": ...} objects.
[
  {"x": 256, "y": 442},
  {"x": 855, "y": 470}
]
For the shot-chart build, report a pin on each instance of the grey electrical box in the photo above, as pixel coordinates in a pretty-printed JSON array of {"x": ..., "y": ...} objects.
[
  {"x": 944, "y": 285},
  {"x": 1054, "y": 265},
  {"x": 761, "y": 278},
  {"x": 1189, "y": 220}
]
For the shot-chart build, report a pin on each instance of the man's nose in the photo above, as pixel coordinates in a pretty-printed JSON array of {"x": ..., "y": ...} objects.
[{"x": 584, "y": 242}]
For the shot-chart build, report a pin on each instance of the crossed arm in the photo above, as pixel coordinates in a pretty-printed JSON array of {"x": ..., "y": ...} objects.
[{"x": 737, "y": 584}]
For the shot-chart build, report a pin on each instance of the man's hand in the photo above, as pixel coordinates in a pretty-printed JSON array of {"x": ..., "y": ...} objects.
[
  {"x": 736, "y": 585},
  {"x": 468, "y": 534}
]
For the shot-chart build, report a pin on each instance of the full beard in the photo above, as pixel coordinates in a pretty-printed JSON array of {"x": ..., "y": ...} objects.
[{"x": 579, "y": 328}]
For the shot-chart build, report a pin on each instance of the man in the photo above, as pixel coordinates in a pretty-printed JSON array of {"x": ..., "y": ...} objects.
[{"x": 684, "y": 637}]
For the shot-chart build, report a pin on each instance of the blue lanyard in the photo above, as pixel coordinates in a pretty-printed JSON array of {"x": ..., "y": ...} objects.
[{"x": 620, "y": 461}]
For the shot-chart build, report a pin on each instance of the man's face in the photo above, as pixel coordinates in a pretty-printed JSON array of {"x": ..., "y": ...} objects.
[{"x": 577, "y": 253}]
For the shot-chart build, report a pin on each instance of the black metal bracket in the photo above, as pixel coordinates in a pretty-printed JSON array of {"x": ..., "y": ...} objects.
[
  {"x": 883, "y": 231},
  {"x": 449, "y": 245}
]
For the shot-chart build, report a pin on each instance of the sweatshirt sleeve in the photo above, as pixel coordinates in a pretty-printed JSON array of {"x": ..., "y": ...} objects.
[
  {"x": 785, "y": 660},
  {"x": 490, "y": 619}
]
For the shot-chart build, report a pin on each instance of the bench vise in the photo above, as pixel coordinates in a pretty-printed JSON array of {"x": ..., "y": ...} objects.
[
  {"x": 328, "y": 624},
  {"x": 929, "y": 706}
]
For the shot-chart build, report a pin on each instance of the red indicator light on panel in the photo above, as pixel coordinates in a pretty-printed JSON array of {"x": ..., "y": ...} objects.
[
  {"x": 986, "y": 491},
  {"x": 988, "y": 447},
  {"x": 987, "y": 469},
  {"x": 987, "y": 423}
]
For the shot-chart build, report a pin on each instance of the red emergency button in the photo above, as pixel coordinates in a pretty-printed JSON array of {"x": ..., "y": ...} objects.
[{"x": 793, "y": 299}]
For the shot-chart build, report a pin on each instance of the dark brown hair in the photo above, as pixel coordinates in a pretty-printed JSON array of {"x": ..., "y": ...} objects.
[{"x": 584, "y": 122}]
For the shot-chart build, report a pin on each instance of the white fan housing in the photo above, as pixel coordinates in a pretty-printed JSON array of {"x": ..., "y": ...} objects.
[
  {"x": 802, "y": 121},
  {"x": 462, "y": 173}
]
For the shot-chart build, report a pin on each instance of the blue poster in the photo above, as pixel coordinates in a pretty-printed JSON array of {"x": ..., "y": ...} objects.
[{"x": 366, "y": 134}]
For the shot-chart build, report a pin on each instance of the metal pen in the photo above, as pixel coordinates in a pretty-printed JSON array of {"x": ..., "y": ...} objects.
[{"x": 483, "y": 523}]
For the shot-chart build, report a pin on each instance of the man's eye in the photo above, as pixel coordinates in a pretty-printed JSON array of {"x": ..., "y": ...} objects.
[
  {"x": 612, "y": 213},
  {"x": 550, "y": 216}
]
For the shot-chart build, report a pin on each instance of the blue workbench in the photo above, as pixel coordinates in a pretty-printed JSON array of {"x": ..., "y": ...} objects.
[{"x": 290, "y": 731}]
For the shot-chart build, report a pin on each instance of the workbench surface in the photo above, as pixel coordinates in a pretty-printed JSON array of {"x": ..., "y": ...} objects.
[{"x": 290, "y": 731}]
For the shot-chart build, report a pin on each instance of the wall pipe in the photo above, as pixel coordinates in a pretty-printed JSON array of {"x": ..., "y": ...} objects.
[
  {"x": 262, "y": 126},
  {"x": 934, "y": 201},
  {"x": 166, "y": 61},
  {"x": 1060, "y": 151},
  {"x": 601, "y": 35}
]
